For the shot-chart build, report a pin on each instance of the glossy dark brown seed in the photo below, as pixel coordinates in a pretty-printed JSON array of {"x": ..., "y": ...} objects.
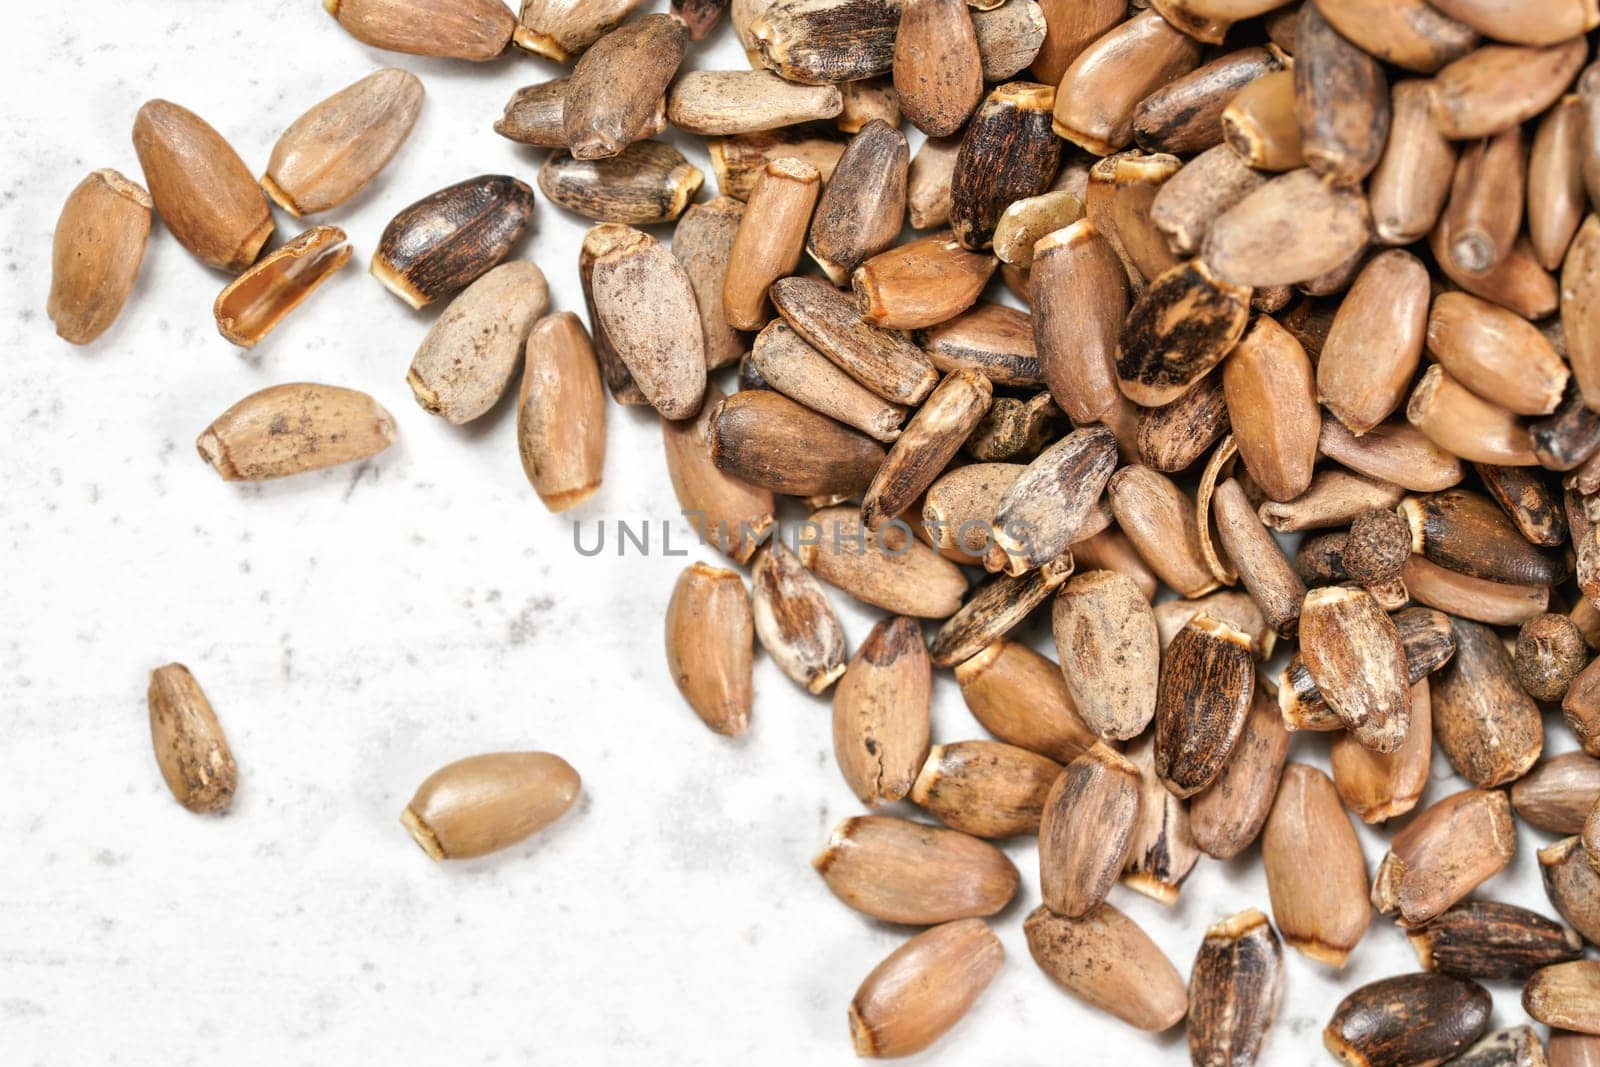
[
  {"x": 766, "y": 439},
  {"x": 1408, "y": 1019},
  {"x": 647, "y": 182},
  {"x": 1485, "y": 939},
  {"x": 1235, "y": 988},
  {"x": 1207, "y": 680},
  {"x": 446, "y": 240},
  {"x": 1007, "y": 154}
]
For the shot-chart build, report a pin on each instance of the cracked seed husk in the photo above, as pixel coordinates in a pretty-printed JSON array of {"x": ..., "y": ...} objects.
[{"x": 880, "y": 712}]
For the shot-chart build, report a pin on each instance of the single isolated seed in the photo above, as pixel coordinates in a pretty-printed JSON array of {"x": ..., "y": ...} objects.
[
  {"x": 561, "y": 413},
  {"x": 293, "y": 428},
  {"x": 337, "y": 148},
  {"x": 880, "y": 712},
  {"x": 482, "y": 804},
  {"x": 907, "y": 872},
  {"x": 1086, "y": 830},
  {"x": 710, "y": 646},
  {"x": 1483, "y": 939},
  {"x": 645, "y": 183},
  {"x": 1411, "y": 1018},
  {"x": 923, "y": 988},
  {"x": 191, "y": 751},
  {"x": 1235, "y": 988},
  {"x": 201, "y": 187},
  {"x": 96, "y": 253},
  {"x": 469, "y": 356},
  {"x": 448, "y": 239},
  {"x": 1106, "y": 960},
  {"x": 1444, "y": 854}
]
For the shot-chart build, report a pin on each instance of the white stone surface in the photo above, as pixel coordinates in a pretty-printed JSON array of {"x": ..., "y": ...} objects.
[{"x": 357, "y": 628}]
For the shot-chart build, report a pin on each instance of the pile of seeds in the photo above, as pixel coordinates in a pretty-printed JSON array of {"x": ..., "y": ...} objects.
[{"x": 1239, "y": 226}]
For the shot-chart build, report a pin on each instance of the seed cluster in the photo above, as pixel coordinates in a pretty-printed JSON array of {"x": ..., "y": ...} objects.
[{"x": 1327, "y": 267}]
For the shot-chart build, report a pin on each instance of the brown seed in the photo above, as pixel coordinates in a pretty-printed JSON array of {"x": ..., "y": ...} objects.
[
  {"x": 1320, "y": 560},
  {"x": 1498, "y": 86},
  {"x": 738, "y": 161},
  {"x": 1341, "y": 101},
  {"x": 1558, "y": 794},
  {"x": 533, "y": 116},
  {"x": 1007, "y": 154},
  {"x": 1379, "y": 786},
  {"x": 615, "y": 372},
  {"x": 818, "y": 42},
  {"x": 1080, "y": 301},
  {"x": 995, "y": 340},
  {"x": 1379, "y": 545},
  {"x": 722, "y": 102},
  {"x": 1316, "y": 875},
  {"x": 1572, "y": 885},
  {"x": 1580, "y": 308},
  {"x": 1408, "y": 33},
  {"x": 1427, "y": 638},
  {"x": 1105, "y": 635},
  {"x": 1464, "y": 424},
  {"x": 646, "y": 305},
  {"x": 561, "y": 413},
  {"x": 615, "y": 85},
  {"x": 1336, "y": 497},
  {"x": 921, "y": 283},
  {"x": 1496, "y": 354},
  {"x": 1204, "y": 697},
  {"x": 1358, "y": 662},
  {"x": 895, "y": 572},
  {"x": 959, "y": 504},
  {"x": 1408, "y": 1019},
  {"x": 1490, "y": 175},
  {"x": 1117, "y": 198},
  {"x": 1566, "y": 438},
  {"x": 1086, "y": 830},
  {"x": 1488, "y": 728},
  {"x": 1265, "y": 571},
  {"x": 1530, "y": 502},
  {"x": 928, "y": 182},
  {"x": 732, "y": 516},
  {"x": 477, "y": 29},
  {"x": 1393, "y": 452},
  {"x": 1408, "y": 189},
  {"x": 1045, "y": 508},
  {"x": 1101, "y": 90},
  {"x": 201, "y": 187},
  {"x": 1568, "y": 1049},
  {"x": 1174, "y": 436},
  {"x": 859, "y": 213},
  {"x": 647, "y": 182},
  {"x": 1483, "y": 939},
  {"x": 1160, "y": 519},
  {"x": 1373, "y": 347},
  {"x": 1539, "y": 22},
  {"x": 1014, "y": 428},
  {"x": 469, "y": 356},
  {"x": 1495, "y": 603},
  {"x": 938, "y": 71},
  {"x": 795, "y": 620},
  {"x": 1290, "y": 230},
  {"x": 1188, "y": 114},
  {"x": 560, "y": 29},
  {"x": 1021, "y": 698},
  {"x": 293, "y": 428},
  {"x": 1106, "y": 960},
  {"x": 1070, "y": 27},
  {"x": 1009, "y": 37},
  {"x": 997, "y": 608},
  {"x": 1272, "y": 402},
  {"x": 1227, "y": 816},
  {"x": 1182, "y": 326},
  {"x": 448, "y": 239},
  {"x": 700, "y": 16},
  {"x": 770, "y": 239},
  {"x": 1228, "y": 605},
  {"x": 191, "y": 751},
  {"x": 1259, "y": 123},
  {"x": 764, "y": 438},
  {"x": 985, "y": 788},
  {"x": 335, "y": 149},
  {"x": 923, "y": 988},
  {"x": 795, "y": 369},
  {"x": 485, "y": 803},
  {"x": 908, "y": 872},
  {"x": 98, "y": 247},
  {"x": 1235, "y": 988},
  {"x": 865, "y": 100},
  {"x": 1163, "y": 850},
  {"x": 1466, "y": 532},
  {"x": 1208, "y": 185},
  {"x": 882, "y": 361},
  {"x": 1444, "y": 854},
  {"x": 710, "y": 646},
  {"x": 1517, "y": 282},
  {"x": 880, "y": 713},
  {"x": 1565, "y": 995},
  {"x": 702, "y": 242}
]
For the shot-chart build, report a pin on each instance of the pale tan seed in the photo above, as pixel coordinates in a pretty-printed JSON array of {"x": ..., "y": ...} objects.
[
  {"x": 1316, "y": 875},
  {"x": 865, "y": 100},
  {"x": 96, "y": 253},
  {"x": 1565, "y": 995},
  {"x": 703, "y": 241},
  {"x": 561, "y": 29},
  {"x": 1020, "y": 697},
  {"x": 923, "y": 989},
  {"x": 1498, "y": 86},
  {"x": 469, "y": 356},
  {"x": 1227, "y": 816},
  {"x": 1044, "y": 510},
  {"x": 928, "y": 182},
  {"x": 1371, "y": 353},
  {"x": 894, "y": 571},
  {"x": 1265, "y": 571},
  {"x": 193, "y": 754},
  {"x": 908, "y": 872},
  {"x": 959, "y": 504},
  {"x": 1204, "y": 188},
  {"x": 1558, "y": 793},
  {"x": 533, "y": 116},
  {"x": 1160, "y": 520},
  {"x": 1290, "y": 230},
  {"x": 881, "y": 360},
  {"x": 770, "y": 240},
  {"x": 1106, "y": 638},
  {"x": 485, "y": 803},
  {"x": 1086, "y": 830},
  {"x": 795, "y": 369},
  {"x": 1443, "y": 854},
  {"x": 1573, "y": 886},
  {"x": 795, "y": 620},
  {"x": 1102, "y": 87},
  {"x": 722, "y": 102},
  {"x": 1356, "y": 658},
  {"x": 1235, "y": 608},
  {"x": 1106, "y": 960},
  {"x": 1394, "y": 452},
  {"x": 334, "y": 150},
  {"x": 292, "y": 428},
  {"x": 561, "y": 413},
  {"x": 1487, "y": 727},
  {"x": 646, "y": 305}
]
